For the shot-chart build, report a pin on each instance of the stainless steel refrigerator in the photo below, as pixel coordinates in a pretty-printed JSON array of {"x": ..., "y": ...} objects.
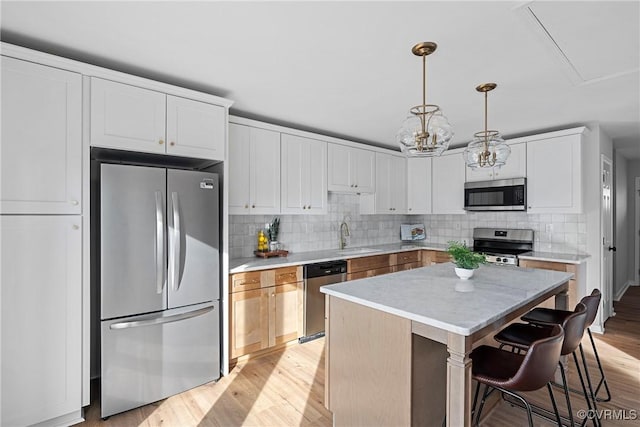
[{"x": 159, "y": 283}]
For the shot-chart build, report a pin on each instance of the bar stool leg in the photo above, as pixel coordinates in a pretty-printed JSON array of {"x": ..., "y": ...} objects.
[
  {"x": 565, "y": 387},
  {"x": 603, "y": 379},
  {"x": 485, "y": 393},
  {"x": 555, "y": 407},
  {"x": 586, "y": 374},
  {"x": 584, "y": 390}
]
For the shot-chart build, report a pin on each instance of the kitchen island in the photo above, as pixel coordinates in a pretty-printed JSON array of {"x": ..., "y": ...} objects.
[{"x": 398, "y": 345}]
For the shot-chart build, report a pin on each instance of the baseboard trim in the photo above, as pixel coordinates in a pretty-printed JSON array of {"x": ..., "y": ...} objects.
[{"x": 618, "y": 295}]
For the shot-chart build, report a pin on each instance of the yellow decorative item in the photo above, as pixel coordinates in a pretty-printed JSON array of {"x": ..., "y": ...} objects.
[{"x": 263, "y": 244}]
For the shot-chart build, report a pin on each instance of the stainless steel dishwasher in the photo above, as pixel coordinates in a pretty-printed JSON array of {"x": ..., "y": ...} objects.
[{"x": 316, "y": 275}]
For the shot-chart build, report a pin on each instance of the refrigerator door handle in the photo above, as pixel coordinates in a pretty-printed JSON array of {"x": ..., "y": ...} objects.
[
  {"x": 159, "y": 320},
  {"x": 174, "y": 244},
  {"x": 159, "y": 241}
]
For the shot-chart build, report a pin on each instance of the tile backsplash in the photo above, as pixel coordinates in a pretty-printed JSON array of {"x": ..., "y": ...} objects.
[{"x": 560, "y": 233}]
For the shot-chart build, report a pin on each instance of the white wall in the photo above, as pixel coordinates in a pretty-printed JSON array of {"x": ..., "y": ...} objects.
[
  {"x": 633, "y": 171},
  {"x": 623, "y": 218}
]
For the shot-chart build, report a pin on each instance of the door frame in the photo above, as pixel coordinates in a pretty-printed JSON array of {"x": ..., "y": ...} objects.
[
  {"x": 606, "y": 290},
  {"x": 636, "y": 231}
]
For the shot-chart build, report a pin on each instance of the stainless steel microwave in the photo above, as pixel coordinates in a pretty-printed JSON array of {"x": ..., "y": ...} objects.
[{"x": 498, "y": 195}]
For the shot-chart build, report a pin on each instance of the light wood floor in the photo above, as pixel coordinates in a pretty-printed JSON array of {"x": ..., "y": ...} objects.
[{"x": 286, "y": 388}]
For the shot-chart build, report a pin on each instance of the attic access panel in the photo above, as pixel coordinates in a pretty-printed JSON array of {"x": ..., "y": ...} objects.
[{"x": 594, "y": 40}]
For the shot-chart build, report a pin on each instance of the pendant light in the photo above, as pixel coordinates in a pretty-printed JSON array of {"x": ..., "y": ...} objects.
[
  {"x": 487, "y": 149},
  {"x": 426, "y": 131}
]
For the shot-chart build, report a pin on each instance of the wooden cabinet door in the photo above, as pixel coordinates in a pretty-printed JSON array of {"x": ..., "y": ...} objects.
[
  {"x": 339, "y": 168},
  {"x": 264, "y": 171},
  {"x": 516, "y": 166},
  {"x": 554, "y": 175},
  {"x": 127, "y": 117},
  {"x": 418, "y": 185},
  {"x": 448, "y": 184},
  {"x": 285, "y": 301},
  {"x": 41, "y": 317},
  {"x": 41, "y": 145},
  {"x": 195, "y": 129},
  {"x": 363, "y": 170},
  {"x": 249, "y": 321}
]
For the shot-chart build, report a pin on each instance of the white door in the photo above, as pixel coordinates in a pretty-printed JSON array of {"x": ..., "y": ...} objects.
[
  {"x": 264, "y": 163},
  {"x": 317, "y": 177},
  {"x": 448, "y": 184},
  {"x": 383, "y": 184},
  {"x": 363, "y": 170},
  {"x": 294, "y": 163},
  {"x": 607, "y": 239},
  {"x": 516, "y": 166},
  {"x": 239, "y": 169},
  {"x": 419, "y": 185},
  {"x": 338, "y": 165},
  {"x": 195, "y": 129},
  {"x": 398, "y": 184},
  {"x": 41, "y": 317},
  {"x": 127, "y": 117},
  {"x": 41, "y": 146}
]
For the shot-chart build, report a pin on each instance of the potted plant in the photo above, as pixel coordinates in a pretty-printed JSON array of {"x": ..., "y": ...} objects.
[
  {"x": 272, "y": 231},
  {"x": 465, "y": 260}
]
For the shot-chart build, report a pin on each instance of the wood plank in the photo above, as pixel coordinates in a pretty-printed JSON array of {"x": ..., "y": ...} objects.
[{"x": 355, "y": 265}]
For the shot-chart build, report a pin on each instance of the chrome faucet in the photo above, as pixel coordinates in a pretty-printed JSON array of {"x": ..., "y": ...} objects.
[{"x": 344, "y": 233}]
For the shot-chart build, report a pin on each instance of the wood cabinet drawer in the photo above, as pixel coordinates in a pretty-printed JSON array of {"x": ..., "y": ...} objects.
[
  {"x": 441, "y": 256},
  {"x": 288, "y": 275},
  {"x": 367, "y": 263},
  {"x": 370, "y": 273},
  {"x": 545, "y": 265},
  {"x": 407, "y": 266},
  {"x": 405, "y": 257},
  {"x": 245, "y": 281}
]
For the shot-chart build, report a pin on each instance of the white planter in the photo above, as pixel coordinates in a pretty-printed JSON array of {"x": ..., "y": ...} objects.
[{"x": 464, "y": 273}]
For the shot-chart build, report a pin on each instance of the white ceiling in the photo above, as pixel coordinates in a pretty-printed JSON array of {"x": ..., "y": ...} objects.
[{"x": 346, "y": 68}]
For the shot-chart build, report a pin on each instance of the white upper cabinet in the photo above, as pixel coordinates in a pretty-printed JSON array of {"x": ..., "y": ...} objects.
[
  {"x": 448, "y": 183},
  {"x": 419, "y": 185},
  {"x": 391, "y": 184},
  {"x": 254, "y": 170},
  {"x": 554, "y": 175},
  {"x": 131, "y": 118},
  {"x": 195, "y": 129},
  {"x": 41, "y": 145},
  {"x": 304, "y": 175},
  {"x": 351, "y": 170},
  {"x": 41, "y": 318},
  {"x": 515, "y": 167}
]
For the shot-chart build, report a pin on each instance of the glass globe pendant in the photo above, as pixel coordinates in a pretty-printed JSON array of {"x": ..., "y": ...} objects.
[
  {"x": 487, "y": 149},
  {"x": 426, "y": 131}
]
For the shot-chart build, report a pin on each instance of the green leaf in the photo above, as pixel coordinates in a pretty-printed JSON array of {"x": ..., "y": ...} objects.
[{"x": 463, "y": 257}]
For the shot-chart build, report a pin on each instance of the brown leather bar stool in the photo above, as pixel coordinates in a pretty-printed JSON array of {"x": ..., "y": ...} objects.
[
  {"x": 511, "y": 373},
  {"x": 549, "y": 316},
  {"x": 521, "y": 335}
]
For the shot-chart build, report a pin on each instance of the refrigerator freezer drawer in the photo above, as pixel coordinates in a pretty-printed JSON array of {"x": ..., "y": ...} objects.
[{"x": 150, "y": 357}]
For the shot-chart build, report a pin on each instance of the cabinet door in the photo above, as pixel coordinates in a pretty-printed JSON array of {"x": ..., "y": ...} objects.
[
  {"x": 239, "y": 169},
  {"x": 479, "y": 174},
  {"x": 264, "y": 171},
  {"x": 554, "y": 175},
  {"x": 339, "y": 165},
  {"x": 316, "y": 177},
  {"x": 41, "y": 318},
  {"x": 127, "y": 117},
  {"x": 419, "y": 185},
  {"x": 40, "y": 166},
  {"x": 363, "y": 166},
  {"x": 295, "y": 174},
  {"x": 448, "y": 184},
  {"x": 516, "y": 166},
  {"x": 249, "y": 314},
  {"x": 383, "y": 184},
  {"x": 195, "y": 129},
  {"x": 398, "y": 184},
  {"x": 285, "y": 303}
]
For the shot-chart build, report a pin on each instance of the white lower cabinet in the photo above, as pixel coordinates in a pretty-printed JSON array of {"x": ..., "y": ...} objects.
[
  {"x": 448, "y": 183},
  {"x": 41, "y": 319}
]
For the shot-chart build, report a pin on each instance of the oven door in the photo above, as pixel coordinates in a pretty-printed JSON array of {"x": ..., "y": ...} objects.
[{"x": 499, "y": 195}]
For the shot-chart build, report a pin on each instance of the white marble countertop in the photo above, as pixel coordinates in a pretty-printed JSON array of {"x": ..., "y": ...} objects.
[
  {"x": 436, "y": 297},
  {"x": 555, "y": 257},
  {"x": 240, "y": 265}
]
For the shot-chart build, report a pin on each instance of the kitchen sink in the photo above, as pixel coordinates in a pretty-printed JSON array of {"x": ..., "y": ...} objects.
[{"x": 356, "y": 251}]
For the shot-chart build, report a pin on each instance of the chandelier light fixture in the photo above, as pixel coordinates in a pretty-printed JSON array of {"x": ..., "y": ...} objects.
[
  {"x": 426, "y": 131},
  {"x": 487, "y": 149}
]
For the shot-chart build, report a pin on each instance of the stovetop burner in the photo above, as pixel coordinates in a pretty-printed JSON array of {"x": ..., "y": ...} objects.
[{"x": 502, "y": 246}]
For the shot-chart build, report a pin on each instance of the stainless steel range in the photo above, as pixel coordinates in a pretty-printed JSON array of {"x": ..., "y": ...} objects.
[{"x": 502, "y": 245}]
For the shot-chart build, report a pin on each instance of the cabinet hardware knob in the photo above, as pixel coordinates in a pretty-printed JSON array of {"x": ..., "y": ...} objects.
[
  {"x": 356, "y": 185},
  {"x": 253, "y": 206},
  {"x": 410, "y": 208},
  {"x": 74, "y": 202},
  {"x": 246, "y": 206},
  {"x": 160, "y": 142},
  {"x": 75, "y": 227},
  {"x": 273, "y": 295},
  {"x": 172, "y": 143},
  {"x": 309, "y": 207}
]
